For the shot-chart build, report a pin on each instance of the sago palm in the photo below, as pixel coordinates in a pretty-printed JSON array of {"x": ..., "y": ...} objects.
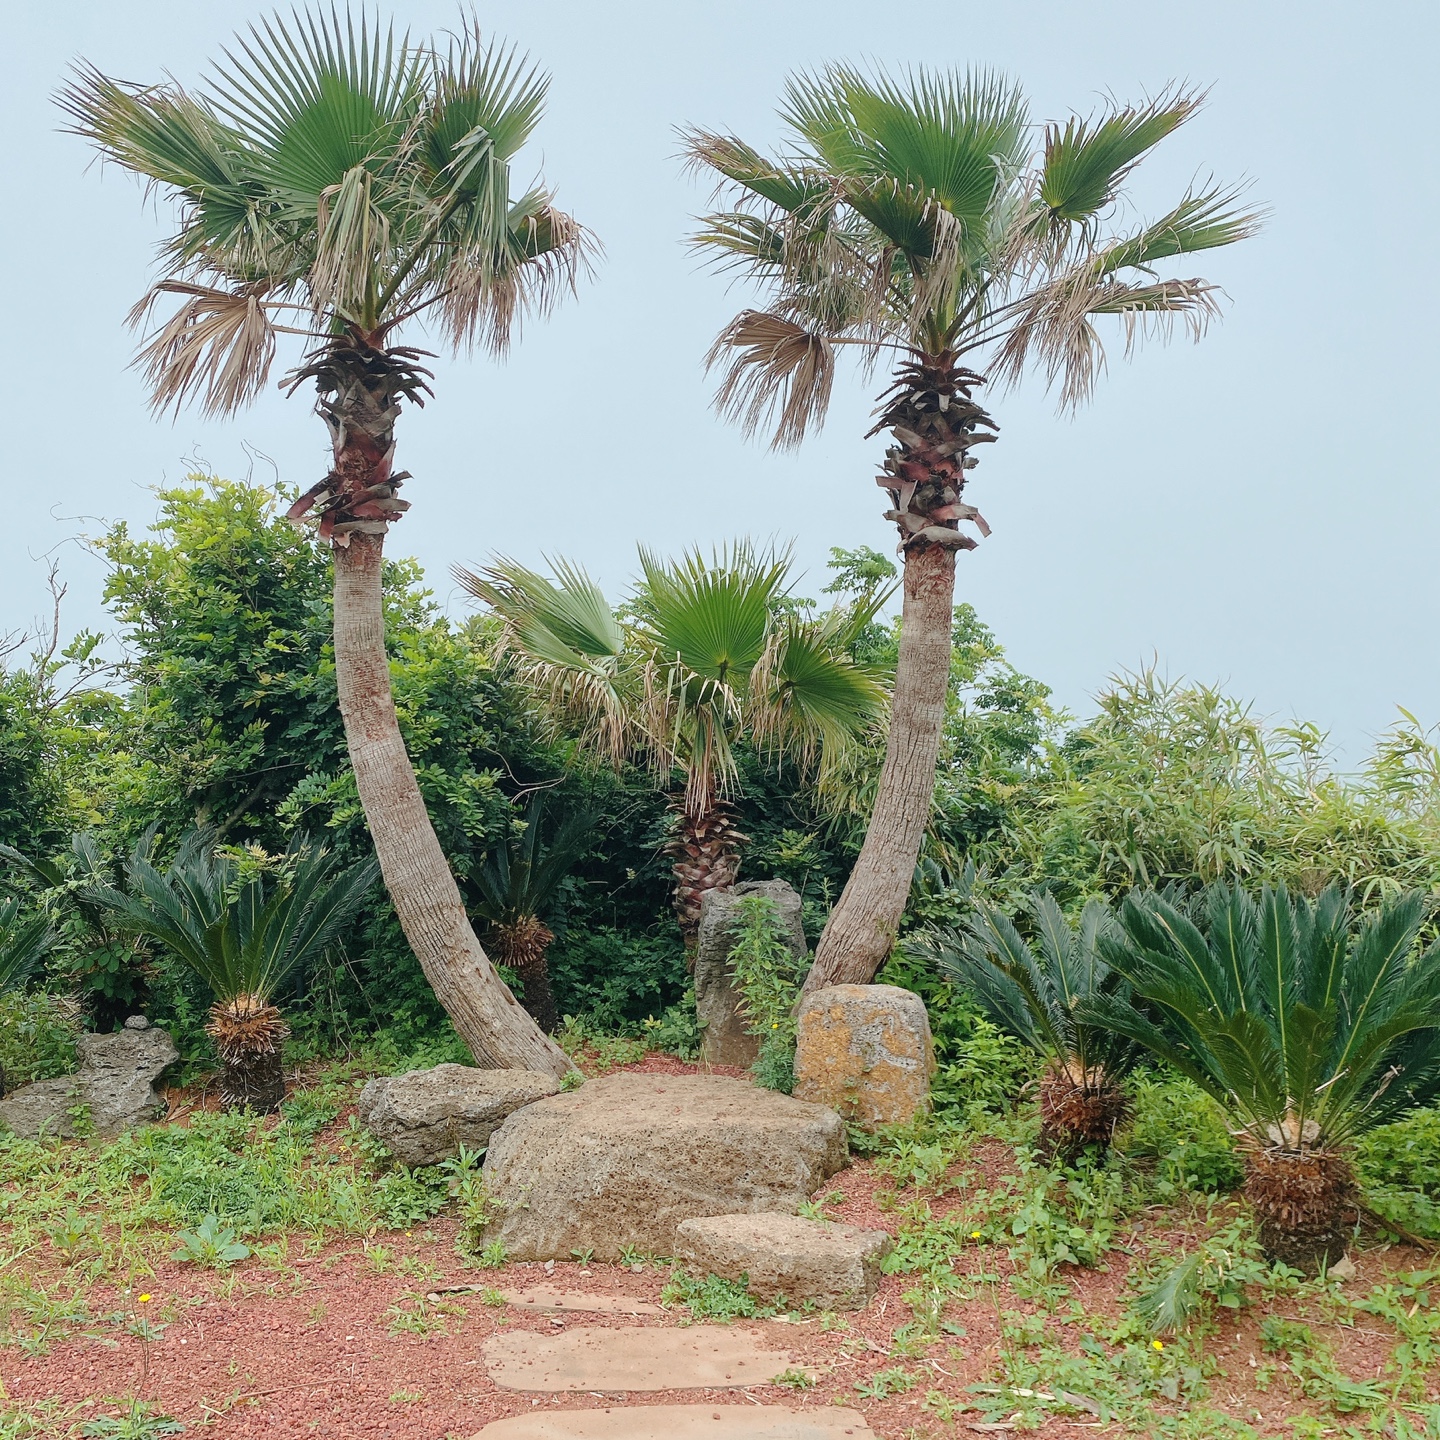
[
  {"x": 338, "y": 183},
  {"x": 1309, "y": 1023},
  {"x": 244, "y": 934},
  {"x": 519, "y": 886},
  {"x": 1033, "y": 988},
  {"x": 704, "y": 652},
  {"x": 918, "y": 218}
]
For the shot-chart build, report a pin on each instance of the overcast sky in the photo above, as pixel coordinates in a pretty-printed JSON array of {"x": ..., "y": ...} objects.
[{"x": 1258, "y": 510}]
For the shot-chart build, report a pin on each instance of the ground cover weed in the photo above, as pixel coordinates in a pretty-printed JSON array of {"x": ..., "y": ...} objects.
[
  {"x": 714, "y": 1298},
  {"x": 211, "y": 1244}
]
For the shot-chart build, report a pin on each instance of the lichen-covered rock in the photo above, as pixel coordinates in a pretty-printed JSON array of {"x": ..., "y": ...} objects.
[
  {"x": 425, "y": 1116},
  {"x": 836, "y": 1266},
  {"x": 724, "y": 1040},
  {"x": 866, "y": 1051},
  {"x": 623, "y": 1160},
  {"x": 114, "y": 1089}
]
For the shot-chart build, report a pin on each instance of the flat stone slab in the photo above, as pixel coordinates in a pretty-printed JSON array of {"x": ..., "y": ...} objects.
[
  {"x": 837, "y": 1266},
  {"x": 684, "y": 1422},
  {"x": 552, "y": 1300},
  {"x": 701, "y": 1357}
]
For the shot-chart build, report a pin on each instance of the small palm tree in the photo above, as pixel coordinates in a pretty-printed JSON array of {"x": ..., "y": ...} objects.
[
  {"x": 519, "y": 886},
  {"x": 244, "y": 932},
  {"x": 704, "y": 653},
  {"x": 915, "y": 217},
  {"x": 336, "y": 182},
  {"x": 1032, "y": 988},
  {"x": 1309, "y": 1023}
]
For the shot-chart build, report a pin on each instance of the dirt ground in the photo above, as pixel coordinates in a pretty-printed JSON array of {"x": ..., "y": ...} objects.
[{"x": 312, "y": 1347}]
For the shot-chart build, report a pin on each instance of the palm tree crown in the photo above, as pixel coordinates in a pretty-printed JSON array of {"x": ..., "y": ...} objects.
[
  {"x": 917, "y": 214},
  {"x": 703, "y": 652}
]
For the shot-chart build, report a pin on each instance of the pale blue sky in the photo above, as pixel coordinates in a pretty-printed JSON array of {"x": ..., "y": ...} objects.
[{"x": 1260, "y": 510}]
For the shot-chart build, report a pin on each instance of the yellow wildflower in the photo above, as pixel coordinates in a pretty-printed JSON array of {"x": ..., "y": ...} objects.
[
  {"x": 144, "y": 1299},
  {"x": 1157, "y": 1344}
]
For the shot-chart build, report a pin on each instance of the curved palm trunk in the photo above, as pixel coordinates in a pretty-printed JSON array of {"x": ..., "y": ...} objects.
[
  {"x": 934, "y": 422},
  {"x": 862, "y": 926},
  {"x": 487, "y": 1016}
]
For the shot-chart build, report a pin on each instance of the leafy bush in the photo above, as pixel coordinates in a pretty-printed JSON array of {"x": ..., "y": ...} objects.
[
  {"x": 37, "y": 1038},
  {"x": 713, "y": 1297},
  {"x": 1178, "y": 1124},
  {"x": 768, "y": 975},
  {"x": 1398, "y": 1167},
  {"x": 617, "y": 980}
]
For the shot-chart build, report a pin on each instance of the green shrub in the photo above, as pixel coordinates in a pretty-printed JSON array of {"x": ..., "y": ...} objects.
[
  {"x": 614, "y": 979},
  {"x": 1398, "y": 1166},
  {"x": 1185, "y": 1131},
  {"x": 768, "y": 975},
  {"x": 37, "y": 1038},
  {"x": 676, "y": 1031}
]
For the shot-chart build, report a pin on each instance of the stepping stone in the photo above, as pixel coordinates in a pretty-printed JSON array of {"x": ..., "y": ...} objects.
[
  {"x": 552, "y": 1300},
  {"x": 837, "y": 1266},
  {"x": 701, "y": 1357},
  {"x": 684, "y": 1422}
]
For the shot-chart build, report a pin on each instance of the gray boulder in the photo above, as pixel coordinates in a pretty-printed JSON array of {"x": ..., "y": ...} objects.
[
  {"x": 724, "y": 1040},
  {"x": 116, "y": 1084},
  {"x": 624, "y": 1159},
  {"x": 836, "y": 1266},
  {"x": 425, "y": 1116}
]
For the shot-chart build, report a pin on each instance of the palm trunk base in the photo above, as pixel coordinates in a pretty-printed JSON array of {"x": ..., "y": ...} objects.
[
  {"x": 1301, "y": 1201},
  {"x": 254, "y": 1082},
  {"x": 1077, "y": 1117},
  {"x": 706, "y": 851}
]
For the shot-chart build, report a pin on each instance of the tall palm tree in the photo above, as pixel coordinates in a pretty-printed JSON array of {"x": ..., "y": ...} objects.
[
  {"x": 519, "y": 886},
  {"x": 703, "y": 653},
  {"x": 346, "y": 181},
  {"x": 1309, "y": 1023},
  {"x": 244, "y": 934},
  {"x": 914, "y": 217}
]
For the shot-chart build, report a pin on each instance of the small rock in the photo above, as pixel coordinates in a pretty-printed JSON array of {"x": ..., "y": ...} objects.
[
  {"x": 866, "y": 1051},
  {"x": 115, "y": 1083},
  {"x": 836, "y": 1266},
  {"x": 137, "y": 1022},
  {"x": 425, "y": 1116},
  {"x": 621, "y": 1161},
  {"x": 1343, "y": 1269},
  {"x": 724, "y": 1038}
]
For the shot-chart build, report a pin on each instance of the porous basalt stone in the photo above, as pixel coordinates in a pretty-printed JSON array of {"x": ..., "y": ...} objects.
[
  {"x": 866, "y": 1051},
  {"x": 425, "y": 1116},
  {"x": 624, "y": 1159},
  {"x": 836, "y": 1266},
  {"x": 114, "y": 1089}
]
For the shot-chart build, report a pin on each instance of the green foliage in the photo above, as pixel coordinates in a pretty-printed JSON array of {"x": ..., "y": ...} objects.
[
  {"x": 676, "y": 1030},
  {"x": 1398, "y": 1167},
  {"x": 524, "y": 876},
  {"x": 140, "y": 1421},
  {"x": 1214, "y": 1274},
  {"x": 617, "y": 979},
  {"x": 242, "y": 922},
  {"x": 713, "y": 1297},
  {"x": 1185, "y": 1131},
  {"x": 1309, "y": 1024},
  {"x": 210, "y": 1244},
  {"x": 37, "y": 1038},
  {"x": 1034, "y": 988},
  {"x": 768, "y": 974}
]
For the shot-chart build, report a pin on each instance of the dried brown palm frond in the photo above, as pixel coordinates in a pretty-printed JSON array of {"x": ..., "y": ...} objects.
[
  {"x": 1080, "y": 1110},
  {"x": 488, "y": 292},
  {"x": 774, "y": 370},
  {"x": 248, "y": 1032},
  {"x": 218, "y": 346}
]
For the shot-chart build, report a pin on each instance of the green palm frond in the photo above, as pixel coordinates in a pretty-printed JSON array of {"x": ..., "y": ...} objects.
[
  {"x": 521, "y": 877},
  {"x": 24, "y": 939},
  {"x": 1311, "y": 1024},
  {"x": 1037, "y": 989},
  {"x": 243, "y": 935},
  {"x": 331, "y": 173},
  {"x": 913, "y": 211}
]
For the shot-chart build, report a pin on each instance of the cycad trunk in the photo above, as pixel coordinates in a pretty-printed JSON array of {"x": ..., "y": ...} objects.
[
  {"x": 862, "y": 927},
  {"x": 249, "y": 1032},
  {"x": 521, "y": 944},
  {"x": 1079, "y": 1112},
  {"x": 487, "y": 1016},
  {"x": 1301, "y": 1200}
]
